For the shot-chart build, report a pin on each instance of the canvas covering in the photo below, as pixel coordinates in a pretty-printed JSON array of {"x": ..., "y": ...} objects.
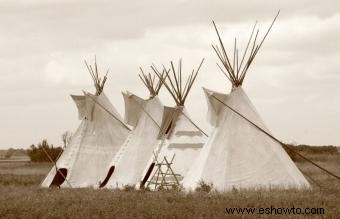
[
  {"x": 93, "y": 145},
  {"x": 181, "y": 139},
  {"x": 134, "y": 156},
  {"x": 238, "y": 155}
]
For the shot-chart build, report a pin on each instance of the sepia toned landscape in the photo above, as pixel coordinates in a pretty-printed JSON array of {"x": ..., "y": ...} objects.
[
  {"x": 169, "y": 109},
  {"x": 22, "y": 196}
]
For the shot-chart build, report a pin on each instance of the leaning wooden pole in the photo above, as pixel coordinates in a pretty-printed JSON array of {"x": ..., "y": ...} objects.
[
  {"x": 277, "y": 140},
  {"x": 55, "y": 164}
]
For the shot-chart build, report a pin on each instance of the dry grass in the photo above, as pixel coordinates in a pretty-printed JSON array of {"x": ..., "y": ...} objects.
[
  {"x": 24, "y": 168},
  {"x": 84, "y": 203},
  {"x": 22, "y": 197},
  {"x": 22, "y": 173}
]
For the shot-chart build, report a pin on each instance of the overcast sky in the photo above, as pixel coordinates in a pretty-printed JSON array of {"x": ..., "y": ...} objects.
[{"x": 294, "y": 81}]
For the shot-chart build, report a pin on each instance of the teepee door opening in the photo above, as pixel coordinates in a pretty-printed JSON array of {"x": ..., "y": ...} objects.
[
  {"x": 108, "y": 176},
  {"x": 147, "y": 175},
  {"x": 59, "y": 177}
]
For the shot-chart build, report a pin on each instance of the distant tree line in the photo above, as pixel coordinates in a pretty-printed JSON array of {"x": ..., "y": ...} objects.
[
  {"x": 307, "y": 149},
  {"x": 43, "y": 152},
  {"x": 9, "y": 153},
  {"x": 14, "y": 152},
  {"x": 316, "y": 149}
]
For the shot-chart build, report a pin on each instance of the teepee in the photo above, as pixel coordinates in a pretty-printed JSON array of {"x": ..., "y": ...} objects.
[
  {"x": 240, "y": 152},
  {"x": 98, "y": 138},
  {"x": 145, "y": 115},
  {"x": 181, "y": 139}
]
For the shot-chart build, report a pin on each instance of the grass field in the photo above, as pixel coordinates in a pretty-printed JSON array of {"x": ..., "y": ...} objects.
[{"x": 21, "y": 197}]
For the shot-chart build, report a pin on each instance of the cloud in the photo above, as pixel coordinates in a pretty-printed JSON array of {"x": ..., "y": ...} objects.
[{"x": 293, "y": 81}]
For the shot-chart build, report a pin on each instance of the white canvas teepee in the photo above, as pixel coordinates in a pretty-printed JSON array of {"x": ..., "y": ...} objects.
[
  {"x": 145, "y": 115},
  {"x": 240, "y": 152},
  {"x": 178, "y": 134},
  {"x": 98, "y": 138}
]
